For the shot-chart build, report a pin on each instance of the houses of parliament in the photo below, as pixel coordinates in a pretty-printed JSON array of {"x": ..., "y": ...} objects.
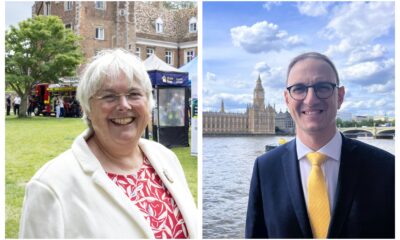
[{"x": 257, "y": 120}]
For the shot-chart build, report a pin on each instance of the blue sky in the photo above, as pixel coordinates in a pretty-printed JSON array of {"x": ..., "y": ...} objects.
[{"x": 244, "y": 39}]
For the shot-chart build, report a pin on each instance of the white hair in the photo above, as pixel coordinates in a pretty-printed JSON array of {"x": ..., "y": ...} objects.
[{"x": 107, "y": 65}]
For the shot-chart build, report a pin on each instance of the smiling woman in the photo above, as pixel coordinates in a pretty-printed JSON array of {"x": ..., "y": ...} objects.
[{"x": 111, "y": 183}]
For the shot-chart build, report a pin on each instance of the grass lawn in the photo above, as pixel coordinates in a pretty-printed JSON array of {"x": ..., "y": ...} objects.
[{"x": 32, "y": 142}]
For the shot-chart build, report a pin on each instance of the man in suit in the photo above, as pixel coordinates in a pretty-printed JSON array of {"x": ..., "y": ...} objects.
[{"x": 321, "y": 184}]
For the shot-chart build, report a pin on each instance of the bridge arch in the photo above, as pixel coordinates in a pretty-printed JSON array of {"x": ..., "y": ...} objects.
[
  {"x": 358, "y": 132},
  {"x": 385, "y": 133},
  {"x": 379, "y": 132}
]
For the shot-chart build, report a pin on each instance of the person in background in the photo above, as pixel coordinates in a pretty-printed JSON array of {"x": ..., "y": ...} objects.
[
  {"x": 111, "y": 183},
  {"x": 17, "y": 103},
  {"x": 57, "y": 106},
  {"x": 321, "y": 184},
  {"x": 61, "y": 104},
  {"x": 74, "y": 107},
  {"x": 8, "y": 104}
]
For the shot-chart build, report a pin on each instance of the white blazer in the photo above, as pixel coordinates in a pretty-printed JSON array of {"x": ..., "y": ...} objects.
[{"x": 71, "y": 196}]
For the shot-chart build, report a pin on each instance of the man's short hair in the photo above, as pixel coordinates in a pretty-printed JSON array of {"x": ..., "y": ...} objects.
[{"x": 314, "y": 55}]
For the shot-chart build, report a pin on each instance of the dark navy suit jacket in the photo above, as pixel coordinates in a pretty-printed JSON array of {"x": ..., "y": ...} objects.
[{"x": 364, "y": 199}]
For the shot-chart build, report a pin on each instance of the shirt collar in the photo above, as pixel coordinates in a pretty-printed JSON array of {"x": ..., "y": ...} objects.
[{"x": 332, "y": 149}]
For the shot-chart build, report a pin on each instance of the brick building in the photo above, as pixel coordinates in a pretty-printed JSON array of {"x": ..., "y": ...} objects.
[
  {"x": 143, "y": 28},
  {"x": 257, "y": 120}
]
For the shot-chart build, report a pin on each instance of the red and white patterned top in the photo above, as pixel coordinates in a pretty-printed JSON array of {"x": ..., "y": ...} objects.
[{"x": 148, "y": 193}]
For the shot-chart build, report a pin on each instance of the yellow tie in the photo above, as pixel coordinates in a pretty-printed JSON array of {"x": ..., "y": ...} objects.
[{"x": 318, "y": 200}]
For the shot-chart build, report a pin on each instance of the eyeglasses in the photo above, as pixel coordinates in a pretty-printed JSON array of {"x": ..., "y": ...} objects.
[
  {"x": 322, "y": 90},
  {"x": 110, "y": 98}
]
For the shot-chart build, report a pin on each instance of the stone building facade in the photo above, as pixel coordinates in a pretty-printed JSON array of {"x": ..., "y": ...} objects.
[
  {"x": 257, "y": 120},
  {"x": 141, "y": 27},
  {"x": 284, "y": 123}
]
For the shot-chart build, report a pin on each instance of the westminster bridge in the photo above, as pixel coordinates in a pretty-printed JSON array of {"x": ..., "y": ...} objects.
[{"x": 376, "y": 132}]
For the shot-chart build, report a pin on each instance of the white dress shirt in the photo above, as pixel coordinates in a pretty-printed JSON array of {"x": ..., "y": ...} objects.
[{"x": 330, "y": 167}]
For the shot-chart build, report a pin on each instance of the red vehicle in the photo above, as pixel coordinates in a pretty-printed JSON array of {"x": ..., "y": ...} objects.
[{"x": 44, "y": 96}]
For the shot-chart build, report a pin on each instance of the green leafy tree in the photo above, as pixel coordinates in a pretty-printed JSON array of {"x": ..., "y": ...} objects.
[
  {"x": 339, "y": 122},
  {"x": 40, "y": 50}
]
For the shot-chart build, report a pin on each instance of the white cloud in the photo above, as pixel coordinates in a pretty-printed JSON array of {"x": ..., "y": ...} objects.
[
  {"x": 263, "y": 37},
  {"x": 271, "y": 76},
  {"x": 294, "y": 40},
  {"x": 262, "y": 67},
  {"x": 356, "y": 105},
  {"x": 358, "y": 27},
  {"x": 368, "y": 105},
  {"x": 268, "y": 5},
  {"x": 367, "y": 53},
  {"x": 360, "y": 22},
  {"x": 371, "y": 72},
  {"x": 360, "y": 70},
  {"x": 363, "y": 102},
  {"x": 343, "y": 47},
  {"x": 381, "y": 88},
  {"x": 211, "y": 77},
  {"x": 380, "y": 102},
  {"x": 313, "y": 9},
  {"x": 240, "y": 84}
]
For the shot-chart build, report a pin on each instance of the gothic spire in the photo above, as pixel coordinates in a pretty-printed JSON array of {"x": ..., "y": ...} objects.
[
  {"x": 258, "y": 84},
  {"x": 258, "y": 95},
  {"x": 222, "y": 106}
]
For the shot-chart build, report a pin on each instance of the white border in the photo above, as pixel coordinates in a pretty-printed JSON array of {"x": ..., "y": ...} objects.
[
  {"x": 2, "y": 122},
  {"x": 200, "y": 118},
  {"x": 396, "y": 114}
]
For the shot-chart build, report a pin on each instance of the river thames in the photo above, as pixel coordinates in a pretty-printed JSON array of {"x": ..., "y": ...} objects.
[{"x": 227, "y": 168}]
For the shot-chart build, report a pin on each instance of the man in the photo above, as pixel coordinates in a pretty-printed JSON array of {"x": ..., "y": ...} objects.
[
  {"x": 61, "y": 104},
  {"x": 17, "y": 102},
  {"x": 321, "y": 184},
  {"x": 8, "y": 104}
]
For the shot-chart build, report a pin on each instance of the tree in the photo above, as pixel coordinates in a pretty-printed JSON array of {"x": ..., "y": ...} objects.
[{"x": 39, "y": 50}]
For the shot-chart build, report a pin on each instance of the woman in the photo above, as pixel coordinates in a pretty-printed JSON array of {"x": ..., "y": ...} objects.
[{"x": 111, "y": 183}]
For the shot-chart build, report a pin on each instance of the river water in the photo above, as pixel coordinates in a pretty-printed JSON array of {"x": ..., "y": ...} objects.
[{"x": 227, "y": 168}]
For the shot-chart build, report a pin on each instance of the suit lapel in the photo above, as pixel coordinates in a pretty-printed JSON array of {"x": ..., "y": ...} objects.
[
  {"x": 346, "y": 186},
  {"x": 291, "y": 169}
]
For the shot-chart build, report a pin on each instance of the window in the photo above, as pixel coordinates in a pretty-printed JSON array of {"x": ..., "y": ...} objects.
[
  {"x": 168, "y": 57},
  {"x": 68, "y": 26},
  {"x": 47, "y": 8},
  {"x": 137, "y": 52},
  {"x": 100, "y": 33},
  {"x": 149, "y": 52},
  {"x": 67, "y": 6},
  {"x": 189, "y": 55},
  {"x": 122, "y": 12},
  {"x": 100, "y": 5},
  {"x": 159, "y": 25},
  {"x": 193, "y": 25}
]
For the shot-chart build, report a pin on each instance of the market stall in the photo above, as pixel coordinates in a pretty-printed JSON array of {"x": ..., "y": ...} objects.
[{"x": 171, "y": 113}]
